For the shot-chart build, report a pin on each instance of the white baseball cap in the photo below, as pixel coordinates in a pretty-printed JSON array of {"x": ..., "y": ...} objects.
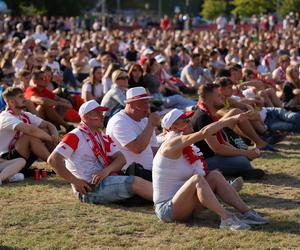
[
  {"x": 148, "y": 51},
  {"x": 160, "y": 58},
  {"x": 136, "y": 93},
  {"x": 172, "y": 116},
  {"x": 89, "y": 106}
]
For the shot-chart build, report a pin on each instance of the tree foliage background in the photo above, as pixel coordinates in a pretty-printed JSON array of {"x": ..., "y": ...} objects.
[
  {"x": 246, "y": 8},
  {"x": 49, "y": 7},
  {"x": 209, "y": 9}
]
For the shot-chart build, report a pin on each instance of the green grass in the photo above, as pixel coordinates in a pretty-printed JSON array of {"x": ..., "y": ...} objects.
[{"x": 45, "y": 215}]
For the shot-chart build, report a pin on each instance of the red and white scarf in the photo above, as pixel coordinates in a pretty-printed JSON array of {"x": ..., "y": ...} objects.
[
  {"x": 219, "y": 134},
  {"x": 18, "y": 134},
  {"x": 192, "y": 156},
  {"x": 99, "y": 144},
  {"x": 191, "y": 153}
]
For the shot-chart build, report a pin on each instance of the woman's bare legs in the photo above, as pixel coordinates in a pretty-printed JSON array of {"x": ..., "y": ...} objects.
[
  {"x": 225, "y": 191},
  {"x": 196, "y": 190}
]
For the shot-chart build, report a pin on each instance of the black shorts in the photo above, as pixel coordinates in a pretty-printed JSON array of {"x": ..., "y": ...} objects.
[
  {"x": 137, "y": 169},
  {"x": 14, "y": 154}
]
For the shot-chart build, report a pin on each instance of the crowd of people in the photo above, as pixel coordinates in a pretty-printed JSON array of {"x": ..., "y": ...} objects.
[{"x": 162, "y": 114}]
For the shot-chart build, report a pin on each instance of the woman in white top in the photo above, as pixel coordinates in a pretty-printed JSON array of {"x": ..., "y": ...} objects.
[
  {"x": 93, "y": 88},
  {"x": 181, "y": 184},
  {"x": 19, "y": 61},
  {"x": 107, "y": 80}
]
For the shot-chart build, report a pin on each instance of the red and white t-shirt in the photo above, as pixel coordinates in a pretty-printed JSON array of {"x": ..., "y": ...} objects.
[
  {"x": 8, "y": 123},
  {"x": 79, "y": 158}
]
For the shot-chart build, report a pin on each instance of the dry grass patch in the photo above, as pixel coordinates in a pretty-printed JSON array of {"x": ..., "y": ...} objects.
[{"x": 45, "y": 215}]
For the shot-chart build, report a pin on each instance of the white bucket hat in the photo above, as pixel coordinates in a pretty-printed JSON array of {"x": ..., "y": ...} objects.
[{"x": 137, "y": 93}]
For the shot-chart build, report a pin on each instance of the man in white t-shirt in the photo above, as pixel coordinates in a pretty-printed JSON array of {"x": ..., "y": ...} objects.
[
  {"x": 90, "y": 161},
  {"x": 50, "y": 61},
  {"x": 22, "y": 134},
  {"x": 132, "y": 129}
]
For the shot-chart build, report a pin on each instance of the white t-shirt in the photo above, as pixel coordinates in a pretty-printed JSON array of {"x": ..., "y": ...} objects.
[
  {"x": 80, "y": 160},
  {"x": 54, "y": 66},
  {"x": 263, "y": 114},
  {"x": 123, "y": 130},
  {"x": 18, "y": 65},
  {"x": 40, "y": 36},
  {"x": 94, "y": 63},
  {"x": 107, "y": 83},
  {"x": 87, "y": 87},
  {"x": 8, "y": 123},
  {"x": 170, "y": 174}
]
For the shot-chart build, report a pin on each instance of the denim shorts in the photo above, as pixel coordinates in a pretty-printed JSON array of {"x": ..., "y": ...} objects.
[
  {"x": 164, "y": 211},
  {"x": 111, "y": 189}
]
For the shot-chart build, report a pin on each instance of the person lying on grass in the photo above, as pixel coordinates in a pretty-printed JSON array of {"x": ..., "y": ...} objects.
[
  {"x": 181, "y": 184},
  {"x": 90, "y": 161}
]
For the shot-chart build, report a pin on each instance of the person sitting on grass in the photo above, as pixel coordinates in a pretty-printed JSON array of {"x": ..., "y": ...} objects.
[
  {"x": 9, "y": 170},
  {"x": 181, "y": 183},
  {"x": 22, "y": 134},
  {"x": 133, "y": 131},
  {"x": 49, "y": 106},
  {"x": 218, "y": 152},
  {"x": 90, "y": 161}
]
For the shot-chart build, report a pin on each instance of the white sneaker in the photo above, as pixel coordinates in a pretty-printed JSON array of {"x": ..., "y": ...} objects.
[
  {"x": 237, "y": 183},
  {"x": 17, "y": 178},
  {"x": 253, "y": 218},
  {"x": 234, "y": 224}
]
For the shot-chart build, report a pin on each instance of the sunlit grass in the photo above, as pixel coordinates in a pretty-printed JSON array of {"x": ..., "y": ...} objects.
[{"x": 45, "y": 215}]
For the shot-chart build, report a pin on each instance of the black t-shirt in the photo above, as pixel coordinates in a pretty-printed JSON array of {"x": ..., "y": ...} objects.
[
  {"x": 131, "y": 56},
  {"x": 20, "y": 35},
  {"x": 201, "y": 119},
  {"x": 288, "y": 92},
  {"x": 223, "y": 52}
]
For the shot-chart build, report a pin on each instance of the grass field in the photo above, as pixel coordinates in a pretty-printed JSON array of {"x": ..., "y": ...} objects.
[{"x": 45, "y": 215}]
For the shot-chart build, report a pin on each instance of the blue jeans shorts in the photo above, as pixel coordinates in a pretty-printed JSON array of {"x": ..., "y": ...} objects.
[
  {"x": 111, "y": 189},
  {"x": 164, "y": 211}
]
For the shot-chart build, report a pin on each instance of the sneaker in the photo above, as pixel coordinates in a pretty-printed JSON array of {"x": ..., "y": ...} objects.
[
  {"x": 253, "y": 174},
  {"x": 234, "y": 224},
  {"x": 237, "y": 183},
  {"x": 253, "y": 218},
  {"x": 17, "y": 178}
]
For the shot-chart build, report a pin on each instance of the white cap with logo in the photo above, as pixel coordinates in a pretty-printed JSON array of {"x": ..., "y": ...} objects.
[
  {"x": 89, "y": 106},
  {"x": 172, "y": 116}
]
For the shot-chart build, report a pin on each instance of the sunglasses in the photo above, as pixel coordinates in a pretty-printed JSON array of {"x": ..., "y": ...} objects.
[{"x": 123, "y": 78}]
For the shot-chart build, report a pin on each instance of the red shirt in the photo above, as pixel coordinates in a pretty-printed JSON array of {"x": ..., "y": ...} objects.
[{"x": 32, "y": 91}]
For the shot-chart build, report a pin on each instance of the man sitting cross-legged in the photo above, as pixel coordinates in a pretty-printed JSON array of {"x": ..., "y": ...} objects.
[
  {"x": 22, "y": 134},
  {"x": 90, "y": 162}
]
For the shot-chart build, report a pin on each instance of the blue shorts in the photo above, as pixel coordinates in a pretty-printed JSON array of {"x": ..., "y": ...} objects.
[
  {"x": 111, "y": 189},
  {"x": 164, "y": 211}
]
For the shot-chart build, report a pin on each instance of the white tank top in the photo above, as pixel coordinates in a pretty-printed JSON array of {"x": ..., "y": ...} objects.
[{"x": 169, "y": 175}]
